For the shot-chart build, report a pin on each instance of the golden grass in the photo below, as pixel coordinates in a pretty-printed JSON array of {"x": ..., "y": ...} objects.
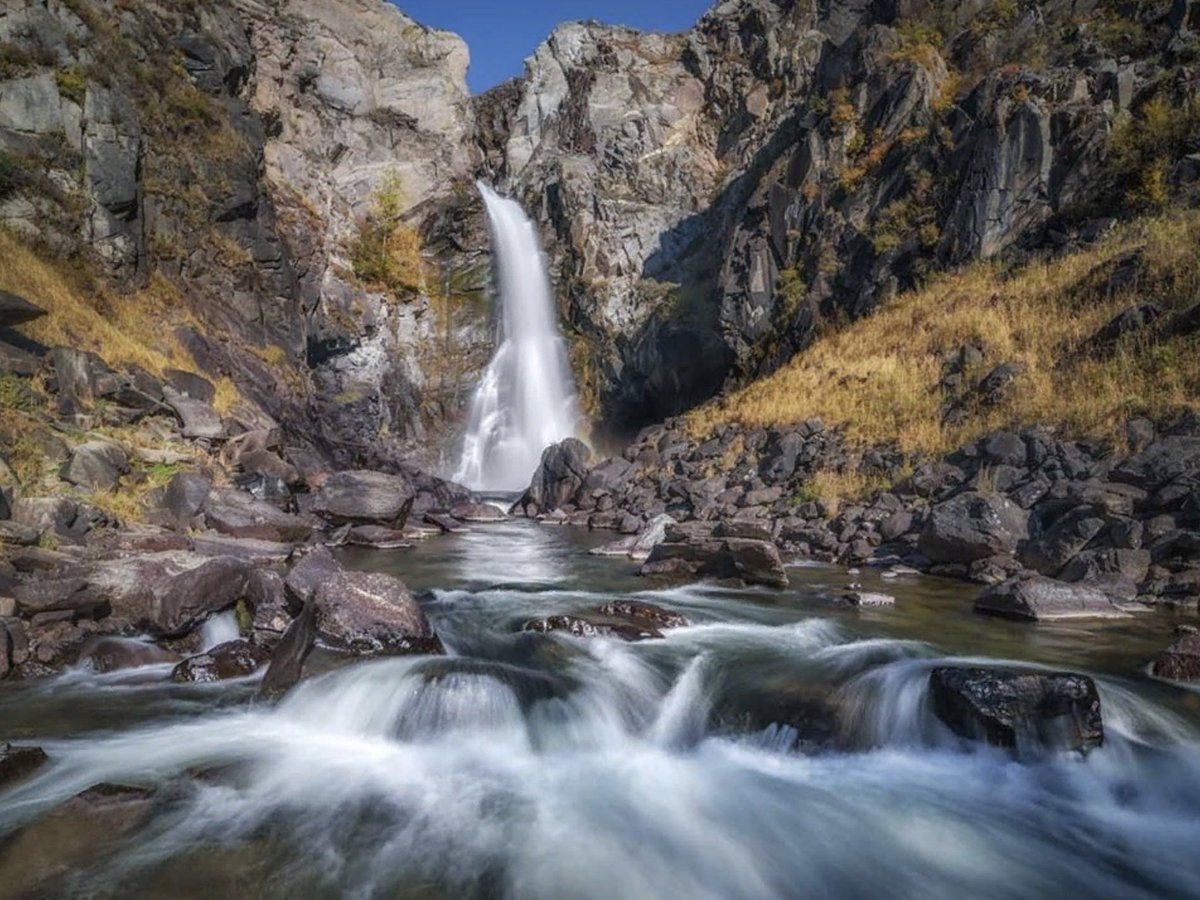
[
  {"x": 227, "y": 396},
  {"x": 132, "y": 330},
  {"x": 877, "y": 378}
]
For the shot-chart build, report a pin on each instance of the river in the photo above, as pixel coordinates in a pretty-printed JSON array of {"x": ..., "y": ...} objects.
[{"x": 547, "y": 766}]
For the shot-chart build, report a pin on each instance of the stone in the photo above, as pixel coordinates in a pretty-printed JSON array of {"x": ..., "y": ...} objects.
[
  {"x": 237, "y": 514},
  {"x": 314, "y": 567},
  {"x": 581, "y": 627},
  {"x": 559, "y": 476},
  {"x": 189, "y": 384},
  {"x": 972, "y": 526},
  {"x": 477, "y": 513},
  {"x": 379, "y": 538},
  {"x": 185, "y": 494},
  {"x": 643, "y": 613},
  {"x": 1041, "y": 599},
  {"x": 365, "y": 497},
  {"x": 1050, "y": 551},
  {"x": 446, "y": 523},
  {"x": 233, "y": 659},
  {"x": 198, "y": 418},
  {"x": 863, "y": 599},
  {"x": 1180, "y": 661},
  {"x": 750, "y": 561},
  {"x": 255, "y": 551},
  {"x": 47, "y": 515},
  {"x": 1163, "y": 461},
  {"x": 287, "y": 662},
  {"x": 1030, "y": 713},
  {"x": 18, "y": 762},
  {"x": 16, "y": 310},
  {"x": 95, "y": 466},
  {"x": 369, "y": 614},
  {"x": 1131, "y": 320}
]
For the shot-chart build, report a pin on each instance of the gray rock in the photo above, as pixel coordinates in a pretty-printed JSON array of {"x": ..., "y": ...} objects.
[
  {"x": 751, "y": 561},
  {"x": 287, "y": 662},
  {"x": 16, "y": 310},
  {"x": 233, "y": 659},
  {"x": 868, "y": 598},
  {"x": 315, "y": 567},
  {"x": 95, "y": 466},
  {"x": 113, "y": 654},
  {"x": 369, "y": 614},
  {"x": 198, "y": 418},
  {"x": 477, "y": 512},
  {"x": 1030, "y": 713},
  {"x": 558, "y": 477},
  {"x": 1180, "y": 661},
  {"x": 1041, "y": 599},
  {"x": 972, "y": 526},
  {"x": 189, "y": 384},
  {"x": 365, "y": 497},
  {"x": 237, "y": 514},
  {"x": 185, "y": 495}
]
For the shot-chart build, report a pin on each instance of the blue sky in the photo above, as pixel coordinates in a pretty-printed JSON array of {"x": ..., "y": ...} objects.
[{"x": 502, "y": 34}]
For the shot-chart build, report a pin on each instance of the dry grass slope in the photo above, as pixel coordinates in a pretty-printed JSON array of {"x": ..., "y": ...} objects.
[{"x": 878, "y": 377}]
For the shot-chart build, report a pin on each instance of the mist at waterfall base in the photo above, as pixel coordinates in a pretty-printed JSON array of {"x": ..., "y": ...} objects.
[
  {"x": 546, "y": 766},
  {"x": 526, "y": 400}
]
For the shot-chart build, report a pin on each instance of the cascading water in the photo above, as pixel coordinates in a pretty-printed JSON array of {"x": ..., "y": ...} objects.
[{"x": 526, "y": 400}]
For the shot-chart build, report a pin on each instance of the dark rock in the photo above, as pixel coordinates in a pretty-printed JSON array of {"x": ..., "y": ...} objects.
[
  {"x": 580, "y": 627},
  {"x": 1030, "y": 713},
  {"x": 868, "y": 598},
  {"x": 369, "y": 614},
  {"x": 189, "y": 384},
  {"x": 185, "y": 495},
  {"x": 15, "y": 361},
  {"x": 1103, "y": 566},
  {"x": 1043, "y": 599},
  {"x": 446, "y": 523},
  {"x": 559, "y": 476},
  {"x": 1129, "y": 321},
  {"x": 1163, "y": 461},
  {"x": 16, "y": 310},
  {"x": 251, "y": 550},
  {"x": 751, "y": 561},
  {"x": 999, "y": 384},
  {"x": 233, "y": 659},
  {"x": 644, "y": 613},
  {"x": 314, "y": 568},
  {"x": 780, "y": 455},
  {"x": 1070, "y": 533},
  {"x": 19, "y": 762},
  {"x": 268, "y": 489},
  {"x": 95, "y": 466},
  {"x": 237, "y": 514},
  {"x": 1180, "y": 661},
  {"x": 287, "y": 663},
  {"x": 1003, "y": 449},
  {"x": 365, "y": 497},
  {"x": 379, "y": 538},
  {"x": 972, "y": 526}
]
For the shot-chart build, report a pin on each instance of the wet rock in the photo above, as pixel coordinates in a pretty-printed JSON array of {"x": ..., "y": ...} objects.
[
  {"x": 972, "y": 526},
  {"x": 1181, "y": 660},
  {"x": 644, "y": 613},
  {"x": 18, "y": 762},
  {"x": 581, "y": 627},
  {"x": 365, "y": 497},
  {"x": 863, "y": 599},
  {"x": 314, "y": 568},
  {"x": 378, "y": 538},
  {"x": 112, "y": 654},
  {"x": 751, "y": 561},
  {"x": 95, "y": 466},
  {"x": 1028, "y": 712},
  {"x": 559, "y": 476},
  {"x": 16, "y": 310},
  {"x": 529, "y": 685},
  {"x": 1038, "y": 598},
  {"x": 477, "y": 512},
  {"x": 237, "y": 514},
  {"x": 287, "y": 662},
  {"x": 446, "y": 522},
  {"x": 233, "y": 659},
  {"x": 369, "y": 614}
]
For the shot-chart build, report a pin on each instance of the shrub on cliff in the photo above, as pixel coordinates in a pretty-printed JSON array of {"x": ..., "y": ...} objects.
[{"x": 386, "y": 253}]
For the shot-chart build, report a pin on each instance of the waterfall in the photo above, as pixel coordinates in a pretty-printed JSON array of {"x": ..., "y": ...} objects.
[{"x": 526, "y": 400}]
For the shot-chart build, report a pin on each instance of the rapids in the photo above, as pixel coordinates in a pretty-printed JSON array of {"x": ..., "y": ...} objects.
[{"x": 545, "y": 766}]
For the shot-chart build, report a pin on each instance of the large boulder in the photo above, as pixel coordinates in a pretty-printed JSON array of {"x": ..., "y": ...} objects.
[
  {"x": 370, "y": 613},
  {"x": 287, "y": 662},
  {"x": 16, "y": 310},
  {"x": 365, "y": 497},
  {"x": 1067, "y": 536},
  {"x": 1028, "y": 712},
  {"x": 1037, "y": 598},
  {"x": 95, "y": 466},
  {"x": 1161, "y": 462},
  {"x": 972, "y": 526},
  {"x": 184, "y": 496},
  {"x": 314, "y": 568},
  {"x": 558, "y": 478},
  {"x": 198, "y": 418},
  {"x": 237, "y": 514},
  {"x": 750, "y": 561}
]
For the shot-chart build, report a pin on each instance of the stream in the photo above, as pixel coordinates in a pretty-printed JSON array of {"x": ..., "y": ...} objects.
[{"x": 547, "y": 766}]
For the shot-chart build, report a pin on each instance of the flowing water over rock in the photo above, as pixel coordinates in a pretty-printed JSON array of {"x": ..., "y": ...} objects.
[
  {"x": 526, "y": 400},
  {"x": 778, "y": 746}
]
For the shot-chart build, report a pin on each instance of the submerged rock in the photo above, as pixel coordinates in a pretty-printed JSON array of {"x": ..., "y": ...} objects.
[
  {"x": 1180, "y": 661},
  {"x": 1027, "y": 712},
  {"x": 112, "y": 654},
  {"x": 19, "y": 762},
  {"x": 581, "y": 627}
]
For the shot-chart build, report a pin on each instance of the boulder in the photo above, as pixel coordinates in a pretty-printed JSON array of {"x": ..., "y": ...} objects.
[
  {"x": 582, "y": 627},
  {"x": 95, "y": 466},
  {"x": 477, "y": 512},
  {"x": 1037, "y": 598},
  {"x": 237, "y": 514},
  {"x": 287, "y": 662},
  {"x": 972, "y": 526},
  {"x": 189, "y": 384},
  {"x": 559, "y": 476},
  {"x": 198, "y": 418},
  {"x": 1180, "y": 661},
  {"x": 868, "y": 598},
  {"x": 379, "y": 538},
  {"x": 185, "y": 495},
  {"x": 19, "y": 762},
  {"x": 1161, "y": 462},
  {"x": 314, "y": 568},
  {"x": 233, "y": 659},
  {"x": 751, "y": 561},
  {"x": 644, "y": 613},
  {"x": 446, "y": 523},
  {"x": 364, "y": 497},
  {"x": 16, "y": 310},
  {"x": 1028, "y": 712},
  {"x": 369, "y": 614},
  {"x": 1070, "y": 533},
  {"x": 1131, "y": 320}
]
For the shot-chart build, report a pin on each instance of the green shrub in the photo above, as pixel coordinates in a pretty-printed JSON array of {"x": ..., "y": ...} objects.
[
  {"x": 1144, "y": 146},
  {"x": 72, "y": 84},
  {"x": 386, "y": 254}
]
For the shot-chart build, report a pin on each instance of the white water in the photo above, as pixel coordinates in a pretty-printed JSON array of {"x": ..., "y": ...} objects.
[{"x": 526, "y": 400}]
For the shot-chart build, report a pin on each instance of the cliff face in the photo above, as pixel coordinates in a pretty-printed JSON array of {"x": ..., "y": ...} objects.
[
  {"x": 712, "y": 199},
  {"x": 709, "y": 200}
]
